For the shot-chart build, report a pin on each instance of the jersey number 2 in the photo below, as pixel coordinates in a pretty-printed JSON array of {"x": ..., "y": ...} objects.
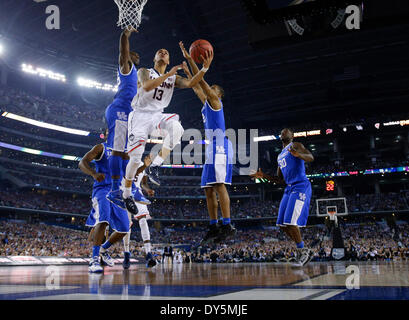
[{"x": 158, "y": 94}]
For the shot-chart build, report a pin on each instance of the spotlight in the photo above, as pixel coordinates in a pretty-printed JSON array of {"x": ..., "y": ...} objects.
[{"x": 345, "y": 129}]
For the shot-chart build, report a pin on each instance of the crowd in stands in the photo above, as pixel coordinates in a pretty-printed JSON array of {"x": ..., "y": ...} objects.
[
  {"x": 193, "y": 208},
  {"x": 43, "y": 200},
  {"x": 52, "y": 111},
  {"x": 370, "y": 241}
]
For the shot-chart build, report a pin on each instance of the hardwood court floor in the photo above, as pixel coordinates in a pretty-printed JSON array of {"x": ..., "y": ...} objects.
[{"x": 259, "y": 281}]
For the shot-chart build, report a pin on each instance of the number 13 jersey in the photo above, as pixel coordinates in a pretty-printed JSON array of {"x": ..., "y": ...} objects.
[{"x": 157, "y": 99}]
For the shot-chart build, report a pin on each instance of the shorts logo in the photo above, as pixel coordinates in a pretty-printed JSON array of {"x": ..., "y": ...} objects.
[
  {"x": 122, "y": 116},
  {"x": 131, "y": 137},
  {"x": 302, "y": 196},
  {"x": 220, "y": 149}
]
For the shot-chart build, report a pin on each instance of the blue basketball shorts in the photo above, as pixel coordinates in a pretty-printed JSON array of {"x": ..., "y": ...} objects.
[
  {"x": 104, "y": 211},
  {"x": 219, "y": 165},
  {"x": 294, "y": 206},
  {"x": 116, "y": 116}
]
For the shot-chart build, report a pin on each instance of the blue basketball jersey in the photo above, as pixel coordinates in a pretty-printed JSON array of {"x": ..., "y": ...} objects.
[
  {"x": 127, "y": 86},
  {"x": 214, "y": 124},
  {"x": 102, "y": 166},
  {"x": 293, "y": 168}
]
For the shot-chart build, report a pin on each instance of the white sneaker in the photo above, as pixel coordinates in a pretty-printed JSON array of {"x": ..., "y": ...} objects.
[
  {"x": 106, "y": 258},
  {"x": 95, "y": 266}
]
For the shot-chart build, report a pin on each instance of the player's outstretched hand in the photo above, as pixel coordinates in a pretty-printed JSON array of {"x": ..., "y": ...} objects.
[
  {"x": 207, "y": 61},
  {"x": 186, "y": 70},
  {"x": 99, "y": 177},
  {"x": 257, "y": 175},
  {"x": 186, "y": 55},
  {"x": 293, "y": 151},
  {"x": 175, "y": 69}
]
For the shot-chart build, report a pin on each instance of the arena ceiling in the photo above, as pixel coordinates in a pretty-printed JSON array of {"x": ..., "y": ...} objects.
[{"x": 302, "y": 80}]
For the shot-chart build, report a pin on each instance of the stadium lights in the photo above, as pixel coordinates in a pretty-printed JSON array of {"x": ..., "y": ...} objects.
[
  {"x": 264, "y": 138},
  {"x": 44, "y": 124},
  {"x": 27, "y": 68},
  {"x": 96, "y": 85},
  {"x": 1, "y": 49}
]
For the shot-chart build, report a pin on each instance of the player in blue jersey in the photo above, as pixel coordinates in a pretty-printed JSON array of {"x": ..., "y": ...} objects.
[
  {"x": 104, "y": 213},
  {"x": 294, "y": 207},
  {"x": 218, "y": 168},
  {"x": 116, "y": 116}
]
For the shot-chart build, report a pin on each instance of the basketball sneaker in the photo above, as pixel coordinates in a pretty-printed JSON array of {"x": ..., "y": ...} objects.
[
  {"x": 139, "y": 197},
  {"x": 127, "y": 260},
  {"x": 106, "y": 259},
  {"x": 211, "y": 235},
  {"x": 95, "y": 266},
  {"x": 153, "y": 175},
  {"x": 115, "y": 197},
  {"x": 150, "y": 261},
  {"x": 226, "y": 231},
  {"x": 130, "y": 205},
  {"x": 303, "y": 257}
]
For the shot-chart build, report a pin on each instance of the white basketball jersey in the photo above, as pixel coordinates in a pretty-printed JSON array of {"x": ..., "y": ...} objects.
[{"x": 157, "y": 99}]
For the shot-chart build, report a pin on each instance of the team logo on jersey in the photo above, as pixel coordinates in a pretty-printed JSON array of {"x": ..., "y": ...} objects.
[
  {"x": 122, "y": 116},
  {"x": 302, "y": 196}
]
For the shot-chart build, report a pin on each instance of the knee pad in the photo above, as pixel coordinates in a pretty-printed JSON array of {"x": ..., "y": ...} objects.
[
  {"x": 143, "y": 224},
  {"x": 175, "y": 133}
]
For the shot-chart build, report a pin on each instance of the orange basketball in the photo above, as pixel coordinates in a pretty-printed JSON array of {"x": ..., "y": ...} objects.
[{"x": 199, "y": 47}]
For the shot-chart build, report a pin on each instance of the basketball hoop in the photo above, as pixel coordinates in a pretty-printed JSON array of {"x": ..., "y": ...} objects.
[
  {"x": 130, "y": 13},
  {"x": 332, "y": 212}
]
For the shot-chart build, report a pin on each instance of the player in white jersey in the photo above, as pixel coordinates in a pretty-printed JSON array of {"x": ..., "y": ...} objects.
[{"x": 155, "y": 91}]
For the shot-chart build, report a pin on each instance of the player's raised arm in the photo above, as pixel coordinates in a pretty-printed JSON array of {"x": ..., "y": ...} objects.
[
  {"x": 188, "y": 57},
  {"x": 197, "y": 89},
  {"x": 275, "y": 179},
  {"x": 184, "y": 83},
  {"x": 298, "y": 150},
  {"x": 93, "y": 154},
  {"x": 125, "y": 62},
  {"x": 149, "y": 84},
  {"x": 210, "y": 94}
]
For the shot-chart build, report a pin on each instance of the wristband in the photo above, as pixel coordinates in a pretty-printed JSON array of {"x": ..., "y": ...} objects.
[{"x": 204, "y": 70}]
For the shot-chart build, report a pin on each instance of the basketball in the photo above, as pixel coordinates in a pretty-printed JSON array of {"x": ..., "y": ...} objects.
[{"x": 199, "y": 47}]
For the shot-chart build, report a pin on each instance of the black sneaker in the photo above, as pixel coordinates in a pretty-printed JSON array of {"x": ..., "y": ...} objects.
[
  {"x": 130, "y": 205},
  {"x": 153, "y": 174},
  {"x": 226, "y": 231},
  {"x": 211, "y": 235},
  {"x": 150, "y": 260}
]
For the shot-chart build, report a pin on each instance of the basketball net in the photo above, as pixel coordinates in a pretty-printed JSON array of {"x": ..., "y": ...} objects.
[
  {"x": 333, "y": 216},
  {"x": 130, "y": 13}
]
